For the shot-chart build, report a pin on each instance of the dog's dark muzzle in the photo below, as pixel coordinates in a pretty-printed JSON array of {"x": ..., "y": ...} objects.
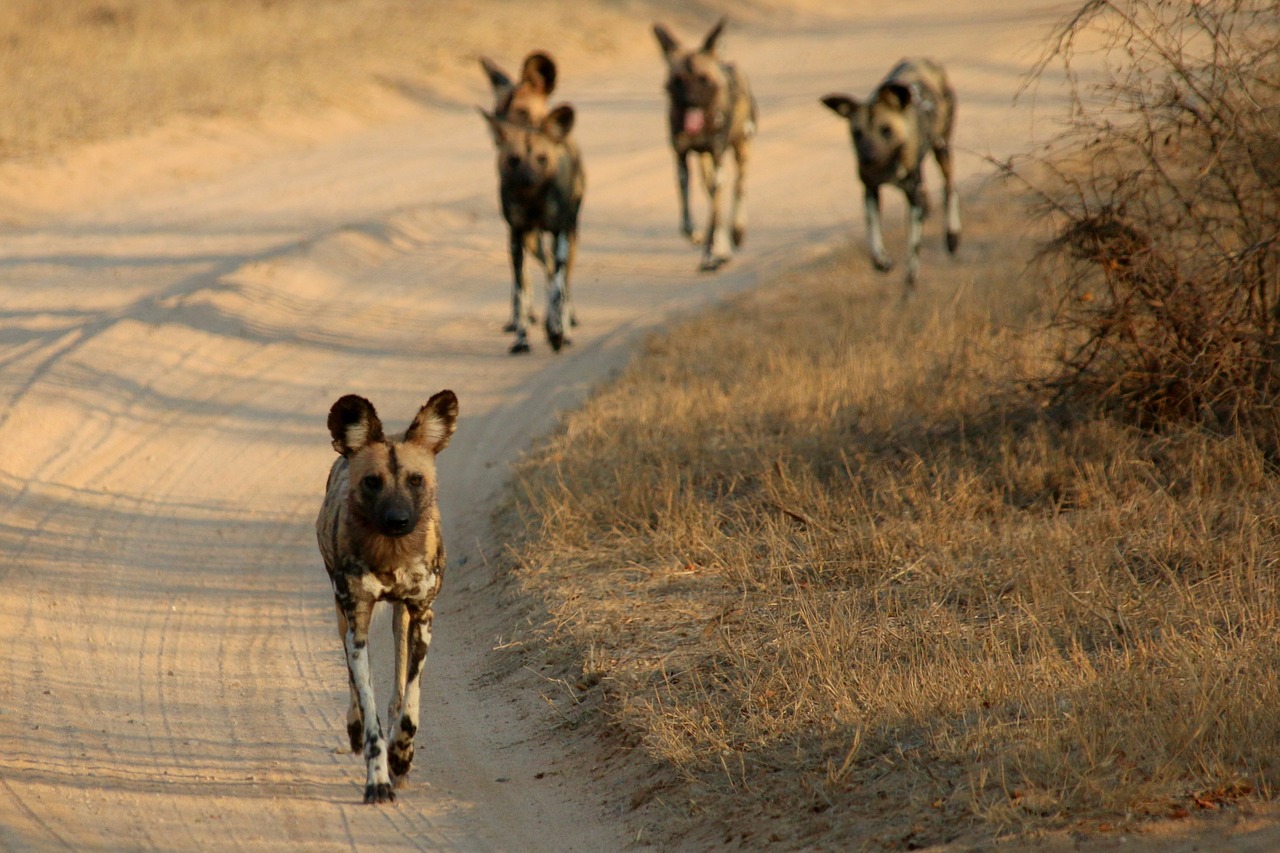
[{"x": 396, "y": 518}]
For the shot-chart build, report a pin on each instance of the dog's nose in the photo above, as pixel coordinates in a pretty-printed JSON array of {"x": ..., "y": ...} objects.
[{"x": 397, "y": 520}]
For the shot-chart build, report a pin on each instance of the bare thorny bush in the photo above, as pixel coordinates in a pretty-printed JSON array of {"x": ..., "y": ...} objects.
[{"x": 1164, "y": 192}]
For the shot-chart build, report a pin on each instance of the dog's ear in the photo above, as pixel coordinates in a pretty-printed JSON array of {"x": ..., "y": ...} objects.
[
  {"x": 354, "y": 424},
  {"x": 841, "y": 104},
  {"x": 709, "y": 43},
  {"x": 435, "y": 422},
  {"x": 498, "y": 79},
  {"x": 894, "y": 95},
  {"x": 497, "y": 126},
  {"x": 670, "y": 44},
  {"x": 539, "y": 72},
  {"x": 558, "y": 123}
]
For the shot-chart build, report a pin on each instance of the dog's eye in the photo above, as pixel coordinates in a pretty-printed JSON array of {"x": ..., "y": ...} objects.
[
  {"x": 513, "y": 161},
  {"x": 416, "y": 480},
  {"x": 371, "y": 483},
  {"x": 542, "y": 159},
  {"x": 886, "y": 133}
]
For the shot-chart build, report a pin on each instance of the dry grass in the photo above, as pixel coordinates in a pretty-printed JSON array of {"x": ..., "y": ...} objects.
[{"x": 840, "y": 581}]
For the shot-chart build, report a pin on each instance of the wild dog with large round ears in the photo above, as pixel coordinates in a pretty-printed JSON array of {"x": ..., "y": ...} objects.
[
  {"x": 540, "y": 185},
  {"x": 379, "y": 534},
  {"x": 911, "y": 113},
  {"x": 711, "y": 110}
]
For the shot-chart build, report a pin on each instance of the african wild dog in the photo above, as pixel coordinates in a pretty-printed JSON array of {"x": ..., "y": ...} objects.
[
  {"x": 525, "y": 101},
  {"x": 540, "y": 186},
  {"x": 379, "y": 534},
  {"x": 711, "y": 110},
  {"x": 911, "y": 113}
]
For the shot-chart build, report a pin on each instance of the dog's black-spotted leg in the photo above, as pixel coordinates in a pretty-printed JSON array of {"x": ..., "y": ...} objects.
[
  {"x": 355, "y": 722},
  {"x": 418, "y": 643},
  {"x": 355, "y": 642}
]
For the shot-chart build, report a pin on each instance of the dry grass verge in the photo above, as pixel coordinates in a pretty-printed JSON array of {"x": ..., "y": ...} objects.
[{"x": 839, "y": 581}]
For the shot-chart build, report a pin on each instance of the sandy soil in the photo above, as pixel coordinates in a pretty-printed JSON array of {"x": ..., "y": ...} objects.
[{"x": 180, "y": 310}]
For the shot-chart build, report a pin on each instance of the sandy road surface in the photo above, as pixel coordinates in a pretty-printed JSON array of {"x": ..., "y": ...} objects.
[{"x": 170, "y": 345}]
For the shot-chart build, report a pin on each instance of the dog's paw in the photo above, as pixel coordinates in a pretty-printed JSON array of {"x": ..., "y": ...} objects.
[
  {"x": 882, "y": 262},
  {"x": 738, "y": 235},
  {"x": 400, "y": 760},
  {"x": 953, "y": 242},
  {"x": 381, "y": 792},
  {"x": 520, "y": 347},
  {"x": 711, "y": 263}
]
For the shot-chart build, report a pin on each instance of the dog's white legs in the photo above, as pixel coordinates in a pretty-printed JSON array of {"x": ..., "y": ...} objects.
[
  {"x": 915, "y": 226},
  {"x": 557, "y": 292},
  {"x": 739, "y": 233},
  {"x": 355, "y": 642},
  {"x": 875, "y": 237},
  {"x": 716, "y": 249},
  {"x": 355, "y": 720},
  {"x": 404, "y": 725}
]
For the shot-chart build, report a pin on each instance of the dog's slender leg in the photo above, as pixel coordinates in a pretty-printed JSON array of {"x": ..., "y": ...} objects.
[
  {"x": 569, "y": 311},
  {"x": 557, "y": 292},
  {"x": 377, "y": 787},
  {"x": 355, "y": 723},
  {"x": 950, "y": 197},
  {"x": 682, "y": 186},
  {"x": 418, "y": 642},
  {"x": 519, "y": 292},
  {"x": 533, "y": 244},
  {"x": 917, "y": 209},
  {"x": 400, "y": 635},
  {"x": 875, "y": 239},
  {"x": 715, "y": 248},
  {"x": 741, "y": 152}
]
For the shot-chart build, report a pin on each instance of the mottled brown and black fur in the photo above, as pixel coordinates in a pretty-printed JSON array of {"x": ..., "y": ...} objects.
[
  {"x": 379, "y": 533},
  {"x": 910, "y": 114},
  {"x": 711, "y": 111},
  {"x": 541, "y": 184}
]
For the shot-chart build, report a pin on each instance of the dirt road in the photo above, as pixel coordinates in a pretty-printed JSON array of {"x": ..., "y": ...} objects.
[{"x": 176, "y": 318}]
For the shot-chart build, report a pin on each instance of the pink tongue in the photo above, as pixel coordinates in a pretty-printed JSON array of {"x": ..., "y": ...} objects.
[{"x": 693, "y": 121}]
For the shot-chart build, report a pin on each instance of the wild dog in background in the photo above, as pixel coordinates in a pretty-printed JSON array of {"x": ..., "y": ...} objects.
[
  {"x": 379, "y": 534},
  {"x": 911, "y": 113},
  {"x": 523, "y": 101},
  {"x": 540, "y": 185},
  {"x": 711, "y": 111}
]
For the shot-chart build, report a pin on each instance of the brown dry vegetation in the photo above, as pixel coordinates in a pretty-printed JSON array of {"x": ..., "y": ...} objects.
[
  {"x": 1164, "y": 192},
  {"x": 823, "y": 559},
  {"x": 832, "y": 558}
]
